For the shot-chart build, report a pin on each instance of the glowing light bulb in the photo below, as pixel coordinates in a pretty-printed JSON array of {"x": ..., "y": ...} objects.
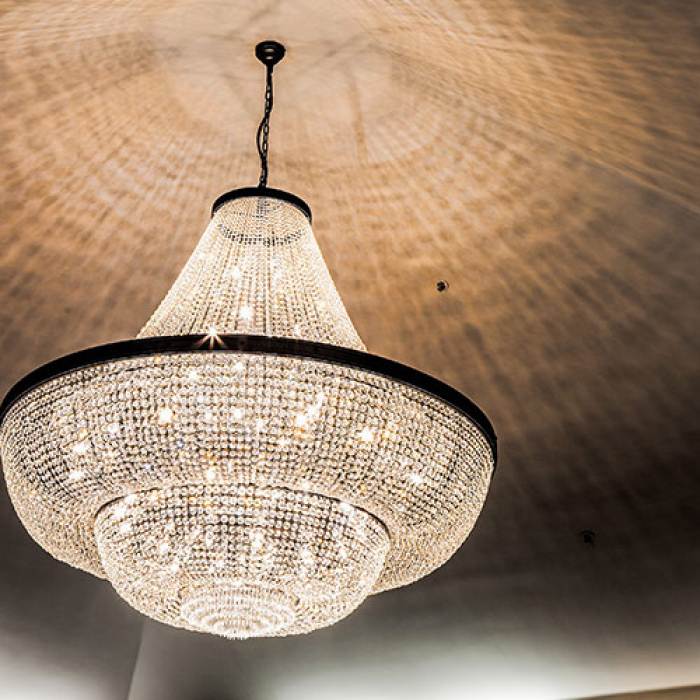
[
  {"x": 301, "y": 420},
  {"x": 307, "y": 556},
  {"x": 366, "y": 435},
  {"x": 165, "y": 416},
  {"x": 80, "y": 448}
]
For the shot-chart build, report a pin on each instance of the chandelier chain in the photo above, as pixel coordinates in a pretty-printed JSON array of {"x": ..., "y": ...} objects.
[{"x": 263, "y": 134}]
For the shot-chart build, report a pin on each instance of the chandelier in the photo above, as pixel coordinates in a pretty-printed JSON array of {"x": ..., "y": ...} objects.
[{"x": 244, "y": 467}]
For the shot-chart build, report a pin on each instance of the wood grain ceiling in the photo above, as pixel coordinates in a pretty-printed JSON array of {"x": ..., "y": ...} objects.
[{"x": 541, "y": 157}]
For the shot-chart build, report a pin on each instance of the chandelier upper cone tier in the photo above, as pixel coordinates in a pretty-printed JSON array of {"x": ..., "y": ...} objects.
[{"x": 243, "y": 467}]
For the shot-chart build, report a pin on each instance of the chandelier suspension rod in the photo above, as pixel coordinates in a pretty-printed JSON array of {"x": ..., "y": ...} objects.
[{"x": 268, "y": 53}]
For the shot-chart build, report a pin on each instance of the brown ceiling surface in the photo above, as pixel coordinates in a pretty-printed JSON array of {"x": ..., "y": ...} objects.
[{"x": 543, "y": 158}]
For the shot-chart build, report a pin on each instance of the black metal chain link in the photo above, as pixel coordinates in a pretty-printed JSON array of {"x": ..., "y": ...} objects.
[{"x": 263, "y": 134}]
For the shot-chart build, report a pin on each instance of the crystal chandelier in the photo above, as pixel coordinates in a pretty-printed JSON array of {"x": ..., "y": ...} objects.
[{"x": 243, "y": 467}]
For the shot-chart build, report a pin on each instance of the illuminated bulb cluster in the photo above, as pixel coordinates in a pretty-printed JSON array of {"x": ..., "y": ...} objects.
[{"x": 242, "y": 493}]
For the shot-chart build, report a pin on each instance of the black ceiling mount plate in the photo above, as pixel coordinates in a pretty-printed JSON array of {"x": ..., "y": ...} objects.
[
  {"x": 254, "y": 344},
  {"x": 270, "y": 52}
]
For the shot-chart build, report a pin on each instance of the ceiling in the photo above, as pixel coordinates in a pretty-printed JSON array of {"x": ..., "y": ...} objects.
[{"x": 542, "y": 158}]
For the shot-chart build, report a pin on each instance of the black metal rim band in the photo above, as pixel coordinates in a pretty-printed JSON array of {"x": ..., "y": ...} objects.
[
  {"x": 254, "y": 344},
  {"x": 288, "y": 197}
]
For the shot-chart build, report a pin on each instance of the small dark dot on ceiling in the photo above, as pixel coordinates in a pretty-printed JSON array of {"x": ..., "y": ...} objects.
[
  {"x": 442, "y": 285},
  {"x": 587, "y": 537}
]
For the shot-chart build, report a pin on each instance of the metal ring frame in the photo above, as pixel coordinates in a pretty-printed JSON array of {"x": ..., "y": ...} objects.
[
  {"x": 288, "y": 197},
  {"x": 254, "y": 344}
]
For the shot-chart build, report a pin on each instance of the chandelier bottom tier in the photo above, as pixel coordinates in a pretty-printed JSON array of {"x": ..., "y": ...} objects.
[{"x": 240, "y": 560}]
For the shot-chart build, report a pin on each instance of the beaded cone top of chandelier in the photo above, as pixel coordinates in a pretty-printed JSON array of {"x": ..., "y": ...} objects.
[{"x": 244, "y": 468}]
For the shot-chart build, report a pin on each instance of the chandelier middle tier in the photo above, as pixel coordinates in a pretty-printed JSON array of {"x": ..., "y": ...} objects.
[{"x": 244, "y": 467}]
